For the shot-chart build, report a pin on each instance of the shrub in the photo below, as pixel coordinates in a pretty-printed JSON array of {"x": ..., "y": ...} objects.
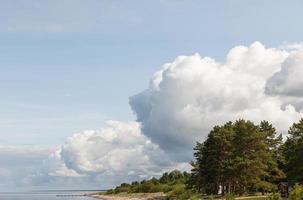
[
  {"x": 166, "y": 183},
  {"x": 274, "y": 196},
  {"x": 211, "y": 197},
  {"x": 181, "y": 193},
  {"x": 264, "y": 187},
  {"x": 229, "y": 197},
  {"x": 110, "y": 191},
  {"x": 146, "y": 187},
  {"x": 296, "y": 193}
]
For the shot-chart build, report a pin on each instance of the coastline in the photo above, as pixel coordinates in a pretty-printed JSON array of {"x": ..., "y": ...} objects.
[
  {"x": 126, "y": 196},
  {"x": 154, "y": 196}
]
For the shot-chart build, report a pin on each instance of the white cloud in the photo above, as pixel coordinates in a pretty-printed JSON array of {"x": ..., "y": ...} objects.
[
  {"x": 192, "y": 94},
  {"x": 116, "y": 153}
]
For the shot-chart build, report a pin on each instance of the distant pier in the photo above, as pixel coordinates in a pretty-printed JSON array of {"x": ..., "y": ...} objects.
[{"x": 71, "y": 195}]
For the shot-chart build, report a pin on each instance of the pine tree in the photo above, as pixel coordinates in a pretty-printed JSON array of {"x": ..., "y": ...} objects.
[
  {"x": 195, "y": 180},
  {"x": 275, "y": 158},
  {"x": 293, "y": 152},
  {"x": 250, "y": 155},
  {"x": 211, "y": 159},
  {"x": 237, "y": 158}
]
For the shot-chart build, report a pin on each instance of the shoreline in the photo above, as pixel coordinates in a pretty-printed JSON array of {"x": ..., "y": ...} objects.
[
  {"x": 153, "y": 196},
  {"x": 132, "y": 196}
]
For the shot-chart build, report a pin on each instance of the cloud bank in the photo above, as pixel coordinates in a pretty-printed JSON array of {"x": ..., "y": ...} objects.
[{"x": 19, "y": 163}]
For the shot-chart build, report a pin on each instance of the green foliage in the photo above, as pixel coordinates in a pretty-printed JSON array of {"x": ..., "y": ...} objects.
[
  {"x": 265, "y": 186},
  {"x": 274, "y": 164},
  {"x": 178, "y": 191},
  {"x": 211, "y": 166},
  {"x": 296, "y": 193},
  {"x": 274, "y": 196},
  {"x": 237, "y": 158},
  {"x": 293, "y": 151},
  {"x": 110, "y": 191},
  {"x": 229, "y": 197},
  {"x": 172, "y": 183},
  {"x": 241, "y": 157}
]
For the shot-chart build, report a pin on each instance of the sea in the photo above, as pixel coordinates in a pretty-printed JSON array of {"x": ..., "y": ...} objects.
[{"x": 47, "y": 195}]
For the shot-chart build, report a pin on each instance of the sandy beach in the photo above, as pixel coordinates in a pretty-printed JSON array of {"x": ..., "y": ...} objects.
[{"x": 135, "y": 196}]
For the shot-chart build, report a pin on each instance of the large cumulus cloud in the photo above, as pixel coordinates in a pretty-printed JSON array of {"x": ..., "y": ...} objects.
[{"x": 191, "y": 94}]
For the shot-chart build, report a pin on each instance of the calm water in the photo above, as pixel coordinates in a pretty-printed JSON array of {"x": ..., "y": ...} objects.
[{"x": 49, "y": 195}]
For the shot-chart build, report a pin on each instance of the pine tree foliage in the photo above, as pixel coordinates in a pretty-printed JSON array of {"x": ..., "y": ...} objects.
[
  {"x": 293, "y": 151},
  {"x": 238, "y": 158}
]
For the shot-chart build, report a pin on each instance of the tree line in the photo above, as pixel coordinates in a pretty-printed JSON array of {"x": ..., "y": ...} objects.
[
  {"x": 173, "y": 184},
  {"x": 242, "y": 157},
  {"x": 236, "y": 158}
]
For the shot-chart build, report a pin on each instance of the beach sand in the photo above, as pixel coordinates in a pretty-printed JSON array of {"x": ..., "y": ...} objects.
[{"x": 134, "y": 196}]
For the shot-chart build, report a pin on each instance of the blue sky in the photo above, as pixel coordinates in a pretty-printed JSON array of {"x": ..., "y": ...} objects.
[{"x": 71, "y": 65}]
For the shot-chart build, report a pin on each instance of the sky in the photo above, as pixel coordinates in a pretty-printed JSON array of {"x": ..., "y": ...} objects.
[{"x": 86, "y": 86}]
